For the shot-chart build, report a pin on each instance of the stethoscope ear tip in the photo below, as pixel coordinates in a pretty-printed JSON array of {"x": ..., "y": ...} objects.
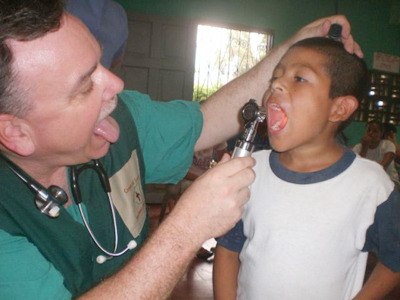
[
  {"x": 132, "y": 245},
  {"x": 101, "y": 259}
]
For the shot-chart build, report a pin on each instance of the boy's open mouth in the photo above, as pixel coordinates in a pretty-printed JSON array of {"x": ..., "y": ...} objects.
[{"x": 277, "y": 118}]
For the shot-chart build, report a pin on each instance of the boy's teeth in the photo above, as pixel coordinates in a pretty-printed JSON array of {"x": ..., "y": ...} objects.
[
  {"x": 277, "y": 118},
  {"x": 275, "y": 126}
]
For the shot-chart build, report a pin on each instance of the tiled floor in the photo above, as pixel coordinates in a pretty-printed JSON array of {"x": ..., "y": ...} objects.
[{"x": 196, "y": 284}]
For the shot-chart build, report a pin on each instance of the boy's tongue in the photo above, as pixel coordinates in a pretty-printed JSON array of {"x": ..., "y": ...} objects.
[
  {"x": 277, "y": 118},
  {"x": 108, "y": 129}
]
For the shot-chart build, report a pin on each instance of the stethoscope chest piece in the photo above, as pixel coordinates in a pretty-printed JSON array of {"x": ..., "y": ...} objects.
[
  {"x": 49, "y": 201},
  {"x": 58, "y": 198}
]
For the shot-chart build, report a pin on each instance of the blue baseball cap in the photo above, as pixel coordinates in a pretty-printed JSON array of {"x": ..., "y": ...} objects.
[{"x": 107, "y": 21}]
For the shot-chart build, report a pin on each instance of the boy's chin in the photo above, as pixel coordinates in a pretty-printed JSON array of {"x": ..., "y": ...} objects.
[
  {"x": 278, "y": 146},
  {"x": 278, "y": 149}
]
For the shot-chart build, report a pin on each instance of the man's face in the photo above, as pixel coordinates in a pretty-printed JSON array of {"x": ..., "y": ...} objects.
[
  {"x": 72, "y": 94},
  {"x": 298, "y": 103}
]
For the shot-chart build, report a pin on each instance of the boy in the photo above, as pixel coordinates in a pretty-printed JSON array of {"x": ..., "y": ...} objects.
[
  {"x": 376, "y": 147},
  {"x": 316, "y": 208}
]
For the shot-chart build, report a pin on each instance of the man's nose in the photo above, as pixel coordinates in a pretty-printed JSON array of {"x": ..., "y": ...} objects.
[{"x": 113, "y": 85}]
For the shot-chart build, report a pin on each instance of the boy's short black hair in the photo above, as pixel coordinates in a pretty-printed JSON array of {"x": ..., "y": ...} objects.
[
  {"x": 348, "y": 73},
  {"x": 389, "y": 128},
  {"x": 376, "y": 122}
]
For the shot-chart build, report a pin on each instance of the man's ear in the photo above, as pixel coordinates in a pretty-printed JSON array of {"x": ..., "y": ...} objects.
[
  {"x": 343, "y": 107},
  {"x": 15, "y": 135}
]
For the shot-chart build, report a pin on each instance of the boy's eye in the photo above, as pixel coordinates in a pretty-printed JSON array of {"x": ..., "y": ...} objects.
[
  {"x": 299, "y": 79},
  {"x": 273, "y": 78}
]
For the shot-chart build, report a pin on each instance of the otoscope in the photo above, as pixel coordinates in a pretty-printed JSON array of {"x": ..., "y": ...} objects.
[
  {"x": 252, "y": 115},
  {"x": 335, "y": 32}
]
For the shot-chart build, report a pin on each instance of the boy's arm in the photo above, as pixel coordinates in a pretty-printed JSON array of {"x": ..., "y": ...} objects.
[
  {"x": 389, "y": 153},
  {"x": 379, "y": 284},
  {"x": 387, "y": 159},
  {"x": 225, "y": 272},
  {"x": 364, "y": 145}
]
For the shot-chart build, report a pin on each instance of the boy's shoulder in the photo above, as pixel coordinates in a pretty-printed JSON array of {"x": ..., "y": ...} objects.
[
  {"x": 372, "y": 173},
  {"x": 370, "y": 167}
]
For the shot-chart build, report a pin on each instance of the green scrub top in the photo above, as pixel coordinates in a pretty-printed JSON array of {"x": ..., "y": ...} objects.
[{"x": 167, "y": 132}]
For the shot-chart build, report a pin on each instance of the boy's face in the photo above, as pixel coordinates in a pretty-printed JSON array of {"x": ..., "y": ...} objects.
[
  {"x": 298, "y": 102},
  {"x": 374, "y": 134}
]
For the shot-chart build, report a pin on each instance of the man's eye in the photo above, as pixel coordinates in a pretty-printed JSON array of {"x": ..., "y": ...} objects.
[
  {"x": 88, "y": 90},
  {"x": 273, "y": 78}
]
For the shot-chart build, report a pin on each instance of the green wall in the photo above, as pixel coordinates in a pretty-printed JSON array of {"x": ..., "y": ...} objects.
[{"x": 370, "y": 21}]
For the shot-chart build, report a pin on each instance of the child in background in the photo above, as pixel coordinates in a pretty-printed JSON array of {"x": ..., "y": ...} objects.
[
  {"x": 390, "y": 133},
  {"x": 316, "y": 208},
  {"x": 377, "y": 148}
]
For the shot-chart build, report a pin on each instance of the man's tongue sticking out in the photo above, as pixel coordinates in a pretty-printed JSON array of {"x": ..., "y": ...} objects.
[{"x": 108, "y": 128}]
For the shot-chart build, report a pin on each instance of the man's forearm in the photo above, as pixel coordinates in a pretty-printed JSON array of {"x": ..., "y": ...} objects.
[
  {"x": 209, "y": 207},
  {"x": 155, "y": 269}
]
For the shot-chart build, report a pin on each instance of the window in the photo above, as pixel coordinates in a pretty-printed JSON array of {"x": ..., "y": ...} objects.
[{"x": 223, "y": 54}]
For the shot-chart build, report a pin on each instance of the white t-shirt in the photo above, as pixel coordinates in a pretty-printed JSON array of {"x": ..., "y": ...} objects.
[
  {"x": 377, "y": 155},
  {"x": 304, "y": 235}
]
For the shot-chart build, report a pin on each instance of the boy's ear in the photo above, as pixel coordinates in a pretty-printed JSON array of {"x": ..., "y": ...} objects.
[
  {"x": 343, "y": 107},
  {"x": 15, "y": 135}
]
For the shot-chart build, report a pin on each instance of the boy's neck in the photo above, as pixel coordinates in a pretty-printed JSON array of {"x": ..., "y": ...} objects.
[
  {"x": 374, "y": 145},
  {"x": 311, "y": 160}
]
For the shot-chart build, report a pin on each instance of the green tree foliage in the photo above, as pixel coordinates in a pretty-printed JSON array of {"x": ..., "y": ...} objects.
[{"x": 201, "y": 93}]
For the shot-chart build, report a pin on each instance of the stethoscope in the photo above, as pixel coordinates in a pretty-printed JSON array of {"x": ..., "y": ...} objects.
[{"x": 48, "y": 201}]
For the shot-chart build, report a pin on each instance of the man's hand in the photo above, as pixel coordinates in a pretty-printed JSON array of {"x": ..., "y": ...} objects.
[
  {"x": 321, "y": 27},
  {"x": 214, "y": 202}
]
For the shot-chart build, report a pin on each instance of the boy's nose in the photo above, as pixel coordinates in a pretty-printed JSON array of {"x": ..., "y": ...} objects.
[{"x": 277, "y": 85}]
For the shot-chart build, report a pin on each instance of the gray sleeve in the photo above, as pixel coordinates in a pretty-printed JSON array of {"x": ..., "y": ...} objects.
[
  {"x": 383, "y": 236},
  {"x": 234, "y": 239}
]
